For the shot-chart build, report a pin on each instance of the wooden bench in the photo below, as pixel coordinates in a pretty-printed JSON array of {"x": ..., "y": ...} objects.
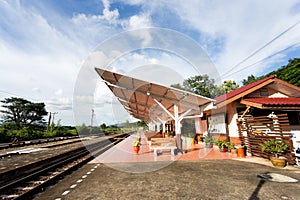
[{"x": 162, "y": 144}]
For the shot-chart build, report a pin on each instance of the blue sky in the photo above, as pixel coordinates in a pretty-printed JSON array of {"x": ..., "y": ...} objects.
[{"x": 43, "y": 44}]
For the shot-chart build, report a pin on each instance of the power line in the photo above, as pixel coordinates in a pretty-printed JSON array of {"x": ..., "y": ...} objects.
[
  {"x": 261, "y": 48},
  {"x": 13, "y": 94},
  {"x": 296, "y": 44}
]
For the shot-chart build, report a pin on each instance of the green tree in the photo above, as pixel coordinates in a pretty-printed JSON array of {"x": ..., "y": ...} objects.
[
  {"x": 229, "y": 86},
  {"x": 250, "y": 79},
  {"x": 127, "y": 124},
  {"x": 83, "y": 129},
  {"x": 103, "y": 126},
  {"x": 142, "y": 124},
  {"x": 289, "y": 73},
  {"x": 200, "y": 84},
  {"x": 20, "y": 113}
]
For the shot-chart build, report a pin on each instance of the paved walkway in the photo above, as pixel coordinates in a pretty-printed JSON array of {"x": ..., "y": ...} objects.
[
  {"x": 123, "y": 152},
  {"x": 199, "y": 174},
  {"x": 205, "y": 179}
]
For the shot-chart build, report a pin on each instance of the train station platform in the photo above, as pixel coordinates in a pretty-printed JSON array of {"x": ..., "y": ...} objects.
[{"x": 123, "y": 152}]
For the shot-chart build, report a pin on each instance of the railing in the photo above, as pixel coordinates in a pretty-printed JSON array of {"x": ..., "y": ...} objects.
[{"x": 256, "y": 130}]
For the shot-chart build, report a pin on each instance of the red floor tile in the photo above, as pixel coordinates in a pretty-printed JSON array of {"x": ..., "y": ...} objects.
[{"x": 123, "y": 152}]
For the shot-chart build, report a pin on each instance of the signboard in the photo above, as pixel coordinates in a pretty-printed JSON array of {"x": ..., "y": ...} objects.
[{"x": 216, "y": 123}]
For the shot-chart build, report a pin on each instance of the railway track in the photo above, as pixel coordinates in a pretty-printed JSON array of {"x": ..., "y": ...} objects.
[
  {"x": 10, "y": 145},
  {"x": 24, "y": 185}
]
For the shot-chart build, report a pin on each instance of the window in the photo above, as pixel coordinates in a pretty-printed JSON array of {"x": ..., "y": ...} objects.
[
  {"x": 294, "y": 117},
  {"x": 264, "y": 92}
]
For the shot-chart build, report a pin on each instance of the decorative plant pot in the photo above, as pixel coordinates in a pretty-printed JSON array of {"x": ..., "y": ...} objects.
[
  {"x": 240, "y": 153},
  {"x": 224, "y": 149},
  {"x": 199, "y": 138},
  {"x": 136, "y": 149},
  {"x": 278, "y": 162},
  {"x": 187, "y": 142},
  {"x": 192, "y": 142}
]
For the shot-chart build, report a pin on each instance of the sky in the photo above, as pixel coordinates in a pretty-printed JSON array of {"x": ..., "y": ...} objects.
[{"x": 47, "y": 47}]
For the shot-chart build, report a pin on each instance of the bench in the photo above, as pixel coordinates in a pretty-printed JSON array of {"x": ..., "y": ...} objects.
[
  {"x": 162, "y": 144},
  {"x": 151, "y": 134}
]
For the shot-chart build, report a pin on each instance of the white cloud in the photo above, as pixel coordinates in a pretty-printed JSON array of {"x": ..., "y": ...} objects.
[
  {"x": 231, "y": 31},
  {"x": 108, "y": 14},
  {"x": 244, "y": 27},
  {"x": 58, "y": 104},
  {"x": 37, "y": 90},
  {"x": 139, "y": 21},
  {"x": 59, "y": 92},
  {"x": 41, "y": 50}
]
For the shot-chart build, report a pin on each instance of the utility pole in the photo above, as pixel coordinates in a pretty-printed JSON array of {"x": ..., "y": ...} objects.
[
  {"x": 52, "y": 116},
  {"x": 51, "y": 119},
  {"x": 92, "y": 117}
]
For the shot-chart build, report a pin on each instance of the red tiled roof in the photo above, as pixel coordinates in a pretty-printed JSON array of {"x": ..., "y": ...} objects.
[
  {"x": 240, "y": 90},
  {"x": 275, "y": 101}
]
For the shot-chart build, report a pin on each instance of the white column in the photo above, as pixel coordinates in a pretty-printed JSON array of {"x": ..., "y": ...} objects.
[
  {"x": 177, "y": 120},
  {"x": 163, "y": 124}
]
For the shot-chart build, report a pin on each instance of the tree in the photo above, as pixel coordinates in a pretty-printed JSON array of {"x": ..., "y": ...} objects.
[
  {"x": 229, "y": 86},
  {"x": 200, "y": 84},
  {"x": 289, "y": 73},
  {"x": 20, "y": 113},
  {"x": 127, "y": 124},
  {"x": 103, "y": 126},
  {"x": 205, "y": 86},
  {"x": 250, "y": 79},
  {"x": 142, "y": 124}
]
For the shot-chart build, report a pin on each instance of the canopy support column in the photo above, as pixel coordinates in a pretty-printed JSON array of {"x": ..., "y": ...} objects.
[
  {"x": 164, "y": 126},
  {"x": 177, "y": 128},
  {"x": 177, "y": 120}
]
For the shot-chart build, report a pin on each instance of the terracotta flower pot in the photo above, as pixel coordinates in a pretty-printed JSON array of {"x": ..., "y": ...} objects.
[
  {"x": 278, "y": 162},
  {"x": 136, "y": 149},
  {"x": 240, "y": 153}
]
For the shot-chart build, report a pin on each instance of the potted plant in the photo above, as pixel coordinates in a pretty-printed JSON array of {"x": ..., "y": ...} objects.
[
  {"x": 209, "y": 141},
  {"x": 225, "y": 146},
  {"x": 222, "y": 145},
  {"x": 240, "y": 150},
  {"x": 231, "y": 146},
  {"x": 219, "y": 144},
  {"x": 275, "y": 147},
  {"x": 136, "y": 146}
]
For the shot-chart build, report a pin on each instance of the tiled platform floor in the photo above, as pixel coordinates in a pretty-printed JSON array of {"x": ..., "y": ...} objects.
[{"x": 123, "y": 152}]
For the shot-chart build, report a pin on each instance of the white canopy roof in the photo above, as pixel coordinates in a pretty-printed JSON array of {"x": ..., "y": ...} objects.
[{"x": 153, "y": 102}]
